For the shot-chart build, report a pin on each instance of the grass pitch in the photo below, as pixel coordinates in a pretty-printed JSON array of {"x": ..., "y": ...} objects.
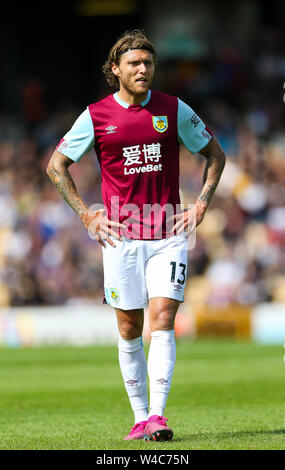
[{"x": 224, "y": 395}]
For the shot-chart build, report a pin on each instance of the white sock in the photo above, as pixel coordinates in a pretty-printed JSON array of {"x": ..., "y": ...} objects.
[
  {"x": 161, "y": 362},
  {"x": 134, "y": 371}
]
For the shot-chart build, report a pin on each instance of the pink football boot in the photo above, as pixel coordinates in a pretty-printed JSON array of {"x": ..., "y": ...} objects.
[
  {"x": 137, "y": 431},
  {"x": 157, "y": 430}
]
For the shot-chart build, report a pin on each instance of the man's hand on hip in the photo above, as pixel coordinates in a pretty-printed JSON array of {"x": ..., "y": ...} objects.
[
  {"x": 99, "y": 226},
  {"x": 190, "y": 219}
]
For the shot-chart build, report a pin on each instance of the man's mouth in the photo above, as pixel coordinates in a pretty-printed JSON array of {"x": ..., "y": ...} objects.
[{"x": 143, "y": 80}]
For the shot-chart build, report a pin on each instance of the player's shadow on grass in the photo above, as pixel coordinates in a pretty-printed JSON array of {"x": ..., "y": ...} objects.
[
  {"x": 239, "y": 433},
  {"x": 221, "y": 435}
]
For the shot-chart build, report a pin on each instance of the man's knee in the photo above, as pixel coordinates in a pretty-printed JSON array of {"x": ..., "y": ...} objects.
[
  {"x": 129, "y": 330},
  {"x": 162, "y": 313},
  {"x": 130, "y": 323},
  {"x": 163, "y": 320}
]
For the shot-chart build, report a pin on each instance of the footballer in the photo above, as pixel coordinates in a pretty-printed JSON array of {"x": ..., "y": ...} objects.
[{"x": 136, "y": 133}]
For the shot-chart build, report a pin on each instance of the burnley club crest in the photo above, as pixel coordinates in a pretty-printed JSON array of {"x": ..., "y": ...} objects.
[{"x": 160, "y": 123}]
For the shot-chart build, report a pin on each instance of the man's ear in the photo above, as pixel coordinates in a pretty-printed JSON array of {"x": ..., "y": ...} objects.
[{"x": 115, "y": 70}]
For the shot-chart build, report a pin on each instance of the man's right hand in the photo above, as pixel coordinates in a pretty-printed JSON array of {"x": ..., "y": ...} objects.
[{"x": 99, "y": 226}]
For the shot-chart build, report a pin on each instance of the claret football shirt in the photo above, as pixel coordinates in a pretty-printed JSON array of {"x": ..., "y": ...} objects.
[{"x": 137, "y": 147}]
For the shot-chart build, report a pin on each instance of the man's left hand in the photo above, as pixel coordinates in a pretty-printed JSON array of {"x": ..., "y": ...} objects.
[{"x": 190, "y": 219}]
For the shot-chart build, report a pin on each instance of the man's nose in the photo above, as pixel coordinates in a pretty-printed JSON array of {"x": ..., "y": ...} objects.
[{"x": 142, "y": 68}]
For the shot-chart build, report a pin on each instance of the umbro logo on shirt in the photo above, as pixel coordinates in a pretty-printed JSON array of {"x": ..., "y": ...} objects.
[{"x": 111, "y": 129}]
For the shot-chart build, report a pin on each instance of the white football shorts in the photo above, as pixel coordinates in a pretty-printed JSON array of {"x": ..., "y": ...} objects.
[{"x": 137, "y": 270}]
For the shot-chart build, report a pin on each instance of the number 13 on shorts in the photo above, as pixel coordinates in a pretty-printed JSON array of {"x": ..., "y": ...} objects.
[
  {"x": 167, "y": 274},
  {"x": 173, "y": 273}
]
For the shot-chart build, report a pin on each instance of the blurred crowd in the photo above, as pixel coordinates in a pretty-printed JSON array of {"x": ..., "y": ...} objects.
[{"x": 47, "y": 256}]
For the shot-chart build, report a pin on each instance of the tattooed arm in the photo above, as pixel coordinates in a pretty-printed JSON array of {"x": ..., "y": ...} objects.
[
  {"x": 216, "y": 159},
  {"x": 57, "y": 170},
  {"x": 97, "y": 221},
  {"x": 213, "y": 170}
]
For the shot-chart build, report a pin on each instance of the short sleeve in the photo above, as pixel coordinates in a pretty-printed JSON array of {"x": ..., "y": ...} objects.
[
  {"x": 79, "y": 139},
  {"x": 192, "y": 132}
]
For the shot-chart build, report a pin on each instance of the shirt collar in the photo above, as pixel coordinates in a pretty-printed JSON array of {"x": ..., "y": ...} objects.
[{"x": 126, "y": 105}]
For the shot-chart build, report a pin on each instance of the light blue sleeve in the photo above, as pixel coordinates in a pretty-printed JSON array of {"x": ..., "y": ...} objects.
[
  {"x": 192, "y": 132},
  {"x": 79, "y": 139}
]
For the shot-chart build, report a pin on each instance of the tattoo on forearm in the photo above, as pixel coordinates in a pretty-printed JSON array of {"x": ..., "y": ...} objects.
[
  {"x": 212, "y": 174},
  {"x": 208, "y": 194},
  {"x": 67, "y": 189}
]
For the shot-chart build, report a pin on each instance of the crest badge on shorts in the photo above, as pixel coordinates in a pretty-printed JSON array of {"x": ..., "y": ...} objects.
[
  {"x": 114, "y": 294},
  {"x": 160, "y": 123}
]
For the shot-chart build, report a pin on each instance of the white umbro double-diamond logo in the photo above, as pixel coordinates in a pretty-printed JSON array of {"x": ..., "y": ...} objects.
[{"x": 111, "y": 129}]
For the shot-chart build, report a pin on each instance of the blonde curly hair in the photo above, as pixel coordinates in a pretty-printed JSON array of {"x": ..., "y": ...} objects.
[{"x": 135, "y": 39}]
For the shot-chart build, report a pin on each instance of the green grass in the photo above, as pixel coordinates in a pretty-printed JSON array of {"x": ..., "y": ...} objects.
[{"x": 225, "y": 395}]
